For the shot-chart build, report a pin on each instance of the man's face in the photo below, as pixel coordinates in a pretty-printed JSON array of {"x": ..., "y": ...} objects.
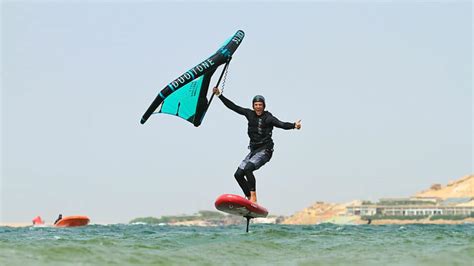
[{"x": 258, "y": 107}]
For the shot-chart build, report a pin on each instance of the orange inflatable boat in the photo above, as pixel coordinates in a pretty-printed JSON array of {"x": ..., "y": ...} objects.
[{"x": 71, "y": 221}]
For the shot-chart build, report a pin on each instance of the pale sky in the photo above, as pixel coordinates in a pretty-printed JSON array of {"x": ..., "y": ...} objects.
[{"x": 384, "y": 91}]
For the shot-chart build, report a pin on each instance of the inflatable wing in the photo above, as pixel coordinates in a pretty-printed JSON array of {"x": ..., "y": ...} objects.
[{"x": 186, "y": 96}]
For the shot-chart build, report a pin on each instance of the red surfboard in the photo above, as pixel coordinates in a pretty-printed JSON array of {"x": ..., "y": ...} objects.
[
  {"x": 71, "y": 221},
  {"x": 237, "y": 205}
]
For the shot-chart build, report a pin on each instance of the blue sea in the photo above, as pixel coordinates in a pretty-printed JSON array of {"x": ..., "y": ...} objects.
[{"x": 265, "y": 244}]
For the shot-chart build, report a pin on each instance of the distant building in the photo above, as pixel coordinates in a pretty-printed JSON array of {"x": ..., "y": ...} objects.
[
  {"x": 362, "y": 210},
  {"x": 413, "y": 207}
]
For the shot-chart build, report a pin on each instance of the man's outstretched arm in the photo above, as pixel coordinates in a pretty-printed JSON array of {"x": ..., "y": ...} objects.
[
  {"x": 286, "y": 125},
  {"x": 232, "y": 106}
]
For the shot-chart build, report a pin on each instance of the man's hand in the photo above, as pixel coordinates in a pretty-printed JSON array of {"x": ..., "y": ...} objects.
[
  {"x": 217, "y": 91},
  {"x": 298, "y": 124}
]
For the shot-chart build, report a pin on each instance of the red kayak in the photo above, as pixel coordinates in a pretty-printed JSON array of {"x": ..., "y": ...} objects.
[
  {"x": 237, "y": 205},
  {"x": 71, "y": 221}
]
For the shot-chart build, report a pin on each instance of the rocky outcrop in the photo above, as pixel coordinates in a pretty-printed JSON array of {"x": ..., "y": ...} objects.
[
  {"x": 321, "y": 212},
  {"x": 462, "y": 188}
]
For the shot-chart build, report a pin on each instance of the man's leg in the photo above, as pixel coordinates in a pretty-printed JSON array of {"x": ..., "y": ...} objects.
[
  {"x": 255, "y": 162},
  {"x": 239, "y": 176},
  {"x": 249, "y": 168}
]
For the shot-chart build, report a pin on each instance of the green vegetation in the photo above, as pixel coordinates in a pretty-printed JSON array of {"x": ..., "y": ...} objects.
[
  {"x": 210, "y": 215},
  {"x": 417, "y": 217},
  {"x": 394, "y": 217},
  {"x": 405, "y": 202},
  {"x": 399, "y": 202},
  {"x": 449, "y": 217},
  {"x": 201, "y": 215}
]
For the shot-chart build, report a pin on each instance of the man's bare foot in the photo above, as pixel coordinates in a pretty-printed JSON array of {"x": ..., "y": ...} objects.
[{"x": 253, "y": 196}]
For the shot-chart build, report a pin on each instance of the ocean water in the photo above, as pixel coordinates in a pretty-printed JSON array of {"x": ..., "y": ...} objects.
[{"x": 265, "y": 244}]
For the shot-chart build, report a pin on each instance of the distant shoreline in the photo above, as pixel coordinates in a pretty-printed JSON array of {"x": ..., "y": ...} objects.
[
  {"x": 16, "y": 224},
  {"x": 424, "y": 221},
  {"x": 203, "y": 223}
]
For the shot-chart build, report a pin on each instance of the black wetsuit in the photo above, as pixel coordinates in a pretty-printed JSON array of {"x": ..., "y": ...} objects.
[
  {"x": 59, "y": 218},
  {"x": 261, "y": 143},
  {"x": 259, "y": 127}
]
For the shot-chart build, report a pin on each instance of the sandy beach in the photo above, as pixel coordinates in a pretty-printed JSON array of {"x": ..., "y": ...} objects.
[{"x": 17, "y": 224}]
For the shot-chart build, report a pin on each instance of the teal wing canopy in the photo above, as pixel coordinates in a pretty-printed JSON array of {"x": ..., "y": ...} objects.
[
  {"x": 190, "y": 101},
  {"x": 186, "y": 96}
]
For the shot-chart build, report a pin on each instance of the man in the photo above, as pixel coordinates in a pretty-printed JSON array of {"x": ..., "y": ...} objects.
[
  {"x": 260, "y": 126},
  {"x": 59, "y": 218}
]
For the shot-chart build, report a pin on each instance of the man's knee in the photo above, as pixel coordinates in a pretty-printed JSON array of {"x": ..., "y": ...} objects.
[
  {"x": 249, "y": 168},
  {"x": 239, "y": 173}
]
